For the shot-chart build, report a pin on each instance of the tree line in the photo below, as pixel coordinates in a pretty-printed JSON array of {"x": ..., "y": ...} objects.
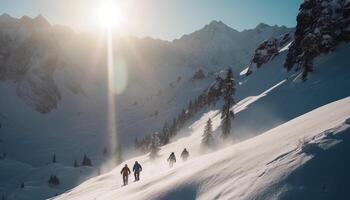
[{"x": 223, "y": 87}]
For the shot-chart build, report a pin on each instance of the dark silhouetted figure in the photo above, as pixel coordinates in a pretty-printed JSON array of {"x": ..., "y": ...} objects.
[
  {"x": 171, "y": 159},
  {"x": 137, "y": 169},
  {"x": 125, "y": 173},
  {"x": 184, "y": 154}
]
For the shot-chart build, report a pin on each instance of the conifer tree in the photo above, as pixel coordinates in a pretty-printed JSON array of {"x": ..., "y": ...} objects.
[
  {"x": 165, "y": 134},
  {"x": 228, "y": 91},
  {"x": 119, "y": 154},
  {"x": 53, "y": 180},
  {"x": 136, "y": 143},
  {"x": 105, "y": 151},
  {"x": 207, "y": 138},
  {"x": 154, "y": 146},
  {"x": 54, "y": 158},
  {"x": 86, "y": 161},
  {"x": 190, "y": 108},
  {"x": 75, "y": 164}
]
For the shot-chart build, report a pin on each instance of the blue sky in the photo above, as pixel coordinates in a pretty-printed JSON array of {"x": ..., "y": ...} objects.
[{"x": 164, "y": 19}]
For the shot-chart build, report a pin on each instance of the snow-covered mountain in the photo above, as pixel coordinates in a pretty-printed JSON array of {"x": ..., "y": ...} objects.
[
  {"x": 54, "y": 94},
  {"x": 54, "y": 101},
  {"x": 298, "y": 154},
  {"x": 170, "y": 68},
  {"x": 217, "y": 45}
]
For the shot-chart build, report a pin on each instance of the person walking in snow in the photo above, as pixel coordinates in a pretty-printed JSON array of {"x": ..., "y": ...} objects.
[
  {"x": 125, "y": 173},
  {"x": 184, "y": 154},
  {"x": 171, "y": 159},
  {"x": 137, "y": 169}
]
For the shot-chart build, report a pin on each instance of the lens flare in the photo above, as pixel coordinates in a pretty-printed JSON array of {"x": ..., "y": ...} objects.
[{"x": 110, "y": 14}]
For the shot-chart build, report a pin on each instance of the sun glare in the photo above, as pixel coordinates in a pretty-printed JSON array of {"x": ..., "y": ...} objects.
[{"x": 109, "y": 14}]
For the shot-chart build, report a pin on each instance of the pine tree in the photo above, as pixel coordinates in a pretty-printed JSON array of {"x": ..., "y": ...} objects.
[
  {"x": 22, "y": 185},
  {"x": 105, "y": 151},
  {"x": 54, "y": 158},
  {"x": 119, "y": 154},
  {"x": 154, "y": 146},
  {"x": 207, "y": 138},
  {"x": 226, "y": 115},
  {"x": 173, "y": 128},
  {"x": 53, "y": 180},
  {"x": 165, "y": 134},
  {"x": 75, "y": 164},
  {"x": 136, "y": 143},
  {"x": 86, "y": 161},
  {"x": 190, "y": 108}
]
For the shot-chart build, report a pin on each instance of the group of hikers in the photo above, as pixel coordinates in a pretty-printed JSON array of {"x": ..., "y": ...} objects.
[{"x": 137, "y": 168}]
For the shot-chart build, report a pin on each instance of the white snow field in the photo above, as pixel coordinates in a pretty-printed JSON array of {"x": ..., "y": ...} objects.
[{"x": 304, "y": 157}]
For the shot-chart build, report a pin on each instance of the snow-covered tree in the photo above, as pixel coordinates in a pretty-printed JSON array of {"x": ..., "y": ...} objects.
[
  {"x": 321, "y": 26},
  {"x": 154, "y": 146},
  {"x": 228, "y": 91},
  {"x": 119, "y": 154},
  {"x": 165, "y": 136},
  {"x": 207, "y": 138}
]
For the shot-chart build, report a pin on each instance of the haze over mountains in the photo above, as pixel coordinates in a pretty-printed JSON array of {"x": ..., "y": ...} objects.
[
  {"x": 147, "y": 66},
  {"x": 53, "y": 86}
]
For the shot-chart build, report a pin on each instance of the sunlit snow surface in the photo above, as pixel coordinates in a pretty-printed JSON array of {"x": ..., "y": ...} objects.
[{"x": 265, "y": 167}]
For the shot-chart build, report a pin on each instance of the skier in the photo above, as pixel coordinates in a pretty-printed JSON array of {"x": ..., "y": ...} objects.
[
  {"x": 137, "y": 169},
  {"x": 184, "y": 154},
  {"x": 171, "y": 159},
  {"x": 125, "y": 172}
]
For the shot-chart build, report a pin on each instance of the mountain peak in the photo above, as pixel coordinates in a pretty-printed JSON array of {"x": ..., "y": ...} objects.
[
  {"x": 262, "y": 26},
  {"x": 38, "y": 21},
  {"x": 5, "y": 17},
  {"x": 217, "y": 25},
  {"x": 41, "y": 20}
]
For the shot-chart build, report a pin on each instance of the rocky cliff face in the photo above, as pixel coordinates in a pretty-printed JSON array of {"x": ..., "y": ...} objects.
[
  {"x": 267, "y": 50},
  {"x": 321, "y": 26},
  {"x": 28, "y": 58},
  {"x": 31, "y": 51}
]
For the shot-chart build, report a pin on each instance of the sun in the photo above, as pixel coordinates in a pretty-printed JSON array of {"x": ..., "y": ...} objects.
[{"x": 110, "y": 14}]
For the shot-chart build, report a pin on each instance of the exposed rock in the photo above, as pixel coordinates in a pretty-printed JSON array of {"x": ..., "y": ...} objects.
[
  {"x": 267, "y": 50},
  {"x": 321, "y": 26}
]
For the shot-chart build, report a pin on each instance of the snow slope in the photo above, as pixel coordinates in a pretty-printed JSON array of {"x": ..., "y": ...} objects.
[
  {"x": 292, "y": 97},
  {"x": 267, "y": 98},
  {"x": 53, "y": 94},
  {"x": 305, "y": 157}
]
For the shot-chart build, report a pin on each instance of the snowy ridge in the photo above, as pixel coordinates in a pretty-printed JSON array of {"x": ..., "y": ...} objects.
[{"x": 247, "y": 170}]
